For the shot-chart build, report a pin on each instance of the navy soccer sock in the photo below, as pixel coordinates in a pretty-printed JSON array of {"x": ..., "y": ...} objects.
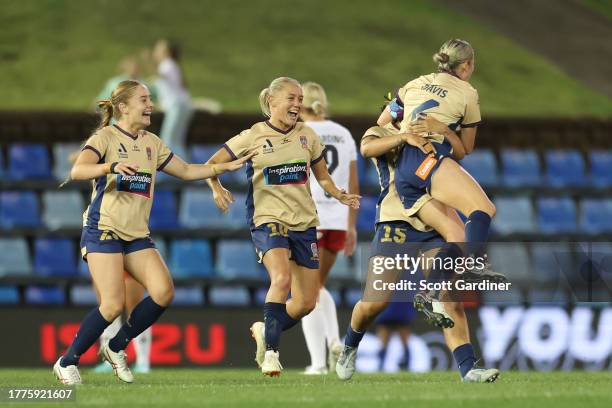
[
  {"x": 465, "y": 358},
  {"x": 144, "y": 315},
  {"x": 477, "y": 232},
  {"x": 382, "y": 356},
  {"x": 91, "y": 329},
  {"x": 276, "y": 320},
  {"x": 353, "y": 338}
]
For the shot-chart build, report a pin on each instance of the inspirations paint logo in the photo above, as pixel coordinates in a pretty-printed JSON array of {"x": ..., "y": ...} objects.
[
  {"x": 138, "y": 183},
  {"x": 287, "y": 173}
]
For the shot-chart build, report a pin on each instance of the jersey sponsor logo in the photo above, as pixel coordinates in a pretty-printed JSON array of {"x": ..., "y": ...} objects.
[
  {"x": 304, "y": 142},
  {"x": 122, "y": 151},
  {"x": 287, "y": 173},
  {"x": 425, "y": 168},
  {"x": 267, "y": 147},
  {"x": 138, "y": 183},
  {"x": 435, "y": 89}
]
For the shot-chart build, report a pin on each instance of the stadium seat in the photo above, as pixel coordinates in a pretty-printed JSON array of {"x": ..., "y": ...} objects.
[
  {"x": 14, "y": 257},
  {"x": 28, "y": 161},
  {"x": 556, "y": 215},
  {"x": 160, "y": 244},
  {"x": 200, "y": 153},
  {"x": 19, "y": 209},
  {"x": 163, "y": 212},
  {"x": 9, "y": 295},
  {"x": 55, "y": 257},
  {"x": 596, "y": 215},
  {"x": 552, "y": 264},
  {"x": 342, "y": 268},
  {"x": 372, "y": 180},
  {"x": 83, "y": 295},
  {"x": 237, "y": 259},
  {"x": 229, "y": 296},
  {"x": 62, "y": 209},
  {"x": 482, "y": 165},
  {"x": 61, "y": 162},
  {"x": 198, "y": 210},
  {"x": 44, "y": 295},
  {"x": 514, "y": 215},
  {"x": 520, "y": 168},
  {"x": 191, "y": 258},
  {"x": 565, "y": 168},
  {"x": 511, "y": 259},
  {"x": 601, "y": 168},
  {"x": 367, "y": 214},
  {"x": 188, "y": 296},
  {"x": 236, "y": 217}
]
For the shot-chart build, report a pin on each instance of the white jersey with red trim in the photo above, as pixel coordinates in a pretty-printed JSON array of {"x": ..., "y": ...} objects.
[{"x": 340, "y": 151}]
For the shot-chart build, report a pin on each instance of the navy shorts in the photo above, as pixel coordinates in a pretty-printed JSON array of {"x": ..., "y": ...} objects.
[
  {"x": 396, "y": 314},
  {"x": 95, "y": 240},
  {"x": 414, "y": 170},
  {"x": 301, "y": 244}
]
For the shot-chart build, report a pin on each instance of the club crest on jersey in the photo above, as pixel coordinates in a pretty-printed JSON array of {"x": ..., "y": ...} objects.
[
  {"x": 149, "y": 154},
  {"x": 267, "y": 147},
  {"x": 287, "y": 173},
  {"x": 304, "y": 142}
]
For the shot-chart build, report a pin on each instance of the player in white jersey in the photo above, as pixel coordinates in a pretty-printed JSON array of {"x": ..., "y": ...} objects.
[{"x": 336, "y": 231}]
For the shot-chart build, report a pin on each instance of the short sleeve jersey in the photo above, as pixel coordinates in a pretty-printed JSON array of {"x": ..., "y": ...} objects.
[
  {"x": 122, "y": 204},
  {"x": 445, "y": 97},
  {"x": 389, "y": 206},
  {"x": 340, "y": 151},
  {"x": 279, "y": 189}
]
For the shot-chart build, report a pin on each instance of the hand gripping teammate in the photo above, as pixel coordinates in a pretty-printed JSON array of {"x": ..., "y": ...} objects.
[
  {"x": 280, "y": 211},
  {"x": 122, "y": 161}
]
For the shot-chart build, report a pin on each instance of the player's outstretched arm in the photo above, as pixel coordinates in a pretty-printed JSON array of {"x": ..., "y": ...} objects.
[
  {"x": 374, "y": 146},
  {"x": 86, "y": 167},
  {"x": 190, "y": 171},
  {"x": 327, "y": 184}
]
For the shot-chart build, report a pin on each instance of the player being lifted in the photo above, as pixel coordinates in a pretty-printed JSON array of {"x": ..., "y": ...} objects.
[
  {"x": 336, "y": 232},
  {"x": 122, "y": 160},
  {"x": 280, "y": 210}
]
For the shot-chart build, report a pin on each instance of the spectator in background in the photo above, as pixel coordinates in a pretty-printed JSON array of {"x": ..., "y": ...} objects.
[
  {"x": 130, "y": 67},
  {"x": 174, "y": 98}
]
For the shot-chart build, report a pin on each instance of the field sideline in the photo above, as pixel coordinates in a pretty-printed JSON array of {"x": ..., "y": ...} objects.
[{"x": 247, "y": 388}]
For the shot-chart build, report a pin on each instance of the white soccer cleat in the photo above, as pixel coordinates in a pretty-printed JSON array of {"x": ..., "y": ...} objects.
[
  {"x": 257, "y": 332},
  {"x": 310, "y": 370},
  {"x": 271, "y": 365},
  {"x": 67, "y": 375},
  {"x": 334, "y": 354},
  {"x": 481, "y": 375},
  {"x": 119, "y": 363},
  {"x": 345, "y": 368}
]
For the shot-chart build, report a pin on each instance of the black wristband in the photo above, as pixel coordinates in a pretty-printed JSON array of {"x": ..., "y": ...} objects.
[{"x": 112, "y": 167}]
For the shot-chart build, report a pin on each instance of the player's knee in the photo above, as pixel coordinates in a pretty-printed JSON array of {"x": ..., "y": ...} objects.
[
  {"x": 111, "y": 309},
  {"x": 163, "y": 296},
  {"x": 373, "y": 308},
  {"x": 281, "y": 281}
]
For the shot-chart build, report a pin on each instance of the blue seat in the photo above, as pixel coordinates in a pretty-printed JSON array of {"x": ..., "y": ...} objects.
[
  {"x": 372, "y": 180},
  {"x": 9, "y": 295},
  {"x": 188, "y": 296},
  {"x": 551, "y": 262},
  {"x": 14, "y": 257},
  {"x": 236, "y": 217},
  {"x": 191, "y": 258},
  {"x": 229, "y": 296},
  {"x": 160, "y": 244},
  {"x": 601, "y": 168},
  {"x": 511, "y": 259},
  {"x": 565, "y": 168},
  {"x": 55, "y": 257},
  {"x": 198, "y": 209},
  {"x": 19, "y": 209},
  {"x": 83, "y": 295},
  {"x": 482, "y": 165},
  {"x": 595, "y": 215},
  {"x": 200, "y": 153},
  {"x": 514, "y": 215},
  {"x": 520, "y": 168},
  {"x": 28, "y": 161},
  {"x": 63, "y": 209},
  {"x": 1, "y": 164},
  {"x": 556, "y": 215},
  {"x": 342, "y": 268},
  {"x": 163, "y": 212},
  {"x": 44, "y": 295},
  {"x": 367, "y": 214},
  {"x": 237, "y": 259},
  {"x": 61, "y": 159}
]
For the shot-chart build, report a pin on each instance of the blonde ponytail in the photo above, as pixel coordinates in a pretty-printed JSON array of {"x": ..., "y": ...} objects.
[
  {"x": 264, "y": 102},
  {"x": 105, "y": 107},
  {"x": 452, "y": 53},
  {"x": 315, "y": 98}
]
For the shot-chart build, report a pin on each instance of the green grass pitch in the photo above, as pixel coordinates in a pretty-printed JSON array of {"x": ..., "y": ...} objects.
[{"x": 248, "y": 388}]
